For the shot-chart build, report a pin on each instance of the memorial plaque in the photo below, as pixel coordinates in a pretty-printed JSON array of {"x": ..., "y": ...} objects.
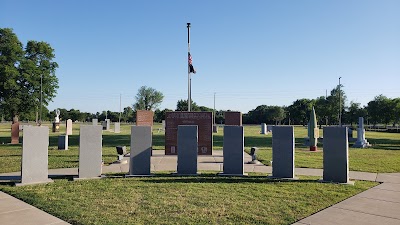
[
  {"x": 144, "y": 118},
  {"x": 15, "y": 133},
  {"x": 204, "y": 122},
  {"x": 233, "y": 118}
]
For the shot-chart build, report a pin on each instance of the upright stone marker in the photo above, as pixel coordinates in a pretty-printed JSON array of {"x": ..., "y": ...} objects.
[
  {"x": 144, "y": 118},
  {"x": 95, "y": 121},
  {"x": 68, "y": 126},
  {"x": 361, "y": 141},
  {"x": 263, "y": 128},
  {"x": 233, "y": 119},
  {"x": 15, "y": 133},
  {"x": 90, "y": 151},
  {"x": 63, "y": 142},
  {"x": 283, "y": 152},
  {"x": 187, "y": 155},
  {"x": 233, "y": 150},
  {"x": 336, "y": 155},
  {"x": 108, "y": 124},
  {"x": 204, "y": 122},
  {"x": 34, "y": 167},
  {"x": 117, "y": 128},
  {"x": 141, "y": 145}
]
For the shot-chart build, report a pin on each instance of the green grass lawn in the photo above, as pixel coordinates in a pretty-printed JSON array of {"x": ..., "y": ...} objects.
[
  {"x": 383, "y": 156},
  {"x": 165, "y": 199}
]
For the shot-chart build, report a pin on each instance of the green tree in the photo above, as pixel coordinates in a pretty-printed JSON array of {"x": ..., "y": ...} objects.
[
  {"x": 300, "y": 111},
  {"x": 159, "y": 115},
  {"x": 147, "y": 98},
  {"x": 275, "y": 114},
  {"x": 21, "y": 72},
  {"x": 381, "y": 110},
  {"x": 182, "y": 105}
]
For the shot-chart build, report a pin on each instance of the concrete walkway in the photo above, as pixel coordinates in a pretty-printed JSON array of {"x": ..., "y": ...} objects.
[{"x": 380, "y": 204}]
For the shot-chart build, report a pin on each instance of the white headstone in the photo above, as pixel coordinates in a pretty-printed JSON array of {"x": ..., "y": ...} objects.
[
  {"x": 117, "y": 128},
  {"x": 68, "y": 127},
  {"x": 90, "y": 151}
]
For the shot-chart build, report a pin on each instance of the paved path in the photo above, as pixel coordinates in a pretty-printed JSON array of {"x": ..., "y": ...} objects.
[{"x": 378, "y": 205}]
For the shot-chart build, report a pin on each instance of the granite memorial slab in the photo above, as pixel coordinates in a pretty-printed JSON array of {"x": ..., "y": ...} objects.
[
  {"x": 141, "y": 146},
  {"x": 283, "y": 152},
  {"x": 90, "y": 151},
  {"x": 144, "y": 118},
  {"x": 187, "y": 143},
  {"x": 233, "y": 118},
  {"x": 233, "y": 151}
]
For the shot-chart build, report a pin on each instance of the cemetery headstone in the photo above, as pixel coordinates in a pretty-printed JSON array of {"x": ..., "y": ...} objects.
[
  {"x": 336, "y": 155},
  {"x": 34, "y": 167},
  {"x": 233, "y": 118},
  {"x": 141, "y": 146},
  {"x": 263, "y": 128},
  {"x": 187, "y": 143},
  {"x": 117, "y": 128},
  {"x": 95, "y": 121},
  {"x": 201, "y": 119},
  {"x": 68, "y": 127},
  {"x": 361, "y": 142},
  {"x": 144, "y": 118},
  {"x": 108, "y": 124},
  {"x": 233, "y": 150},
  {"x": 15, "y": 133},
  {"x": 90, "y": 151},
  {"x": 283, "y": 152},
  {"x": 63, "y": 142}
]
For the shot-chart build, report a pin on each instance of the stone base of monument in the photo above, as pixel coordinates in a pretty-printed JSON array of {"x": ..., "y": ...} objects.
[
  {"x": 327, "y": 181},
  {"x": 282, "y": 178},
  {"x": 33, "y": 183},
  {"x": 88, "y": 178},
  {"x": 185, "y": 174},
  {"x": 254, "y": 162},
  {"x": 361, "y": 144},
  {"x": 232, "y": 175},
  {"x": 139, "y": 175}
]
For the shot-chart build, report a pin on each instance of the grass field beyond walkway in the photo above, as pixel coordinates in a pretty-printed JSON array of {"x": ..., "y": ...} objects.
[{"x": 206, "y": 199}]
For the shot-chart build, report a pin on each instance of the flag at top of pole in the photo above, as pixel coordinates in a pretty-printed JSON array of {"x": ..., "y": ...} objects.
[{"x": 191, "y": 68}]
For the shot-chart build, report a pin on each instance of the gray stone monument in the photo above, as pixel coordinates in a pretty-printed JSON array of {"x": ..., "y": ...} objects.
[
  {"x": 95, "y": 121},
  {"x": 215, "y": 128},
  {"x": 15, "y": 133},
  {"x": 187, "y": 154},
  {"x": 283, "y": 152},
  {"x": 336, "y": 155},
  {"x": 90, "y": 151},
  {"x": 117, "y": 128},
  {"x": 34, "y": 167},
  {"x": 108, "y": 123},
  {"x": 63, "y": 142},
  {"x": 141, "y": 146},
  {"x": 68, "y": 127},
  {"x": 263, "y": 128},
  {"x": 361, "y": 142},
  {"x": 233, "y": 150}
]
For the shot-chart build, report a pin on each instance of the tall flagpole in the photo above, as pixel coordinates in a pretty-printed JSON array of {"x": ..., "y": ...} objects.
[{"x": 189, "y": 77}]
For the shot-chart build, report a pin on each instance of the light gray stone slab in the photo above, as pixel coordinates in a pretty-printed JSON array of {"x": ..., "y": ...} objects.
[
  {"x": 68, "y": 127},
  {"x": 336, "y": 155},
  {"x": 233, "y": 150},
  {"x": 117, "y": 128},
  {"x": 34, "y": 167},
  {"x": 187, "y": 145},
  {"x": 95, "y": 121},
  {"x": 63, "y": 142},
  {"x": 141, "y": 145},
  {"x": 90, "y": 151},
  {"x": 108, "y": 122},
  {"x": 263, "y": 128},
  {"x": 283, "y": 152}
]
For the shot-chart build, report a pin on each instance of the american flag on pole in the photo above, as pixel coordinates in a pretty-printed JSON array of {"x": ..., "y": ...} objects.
[{"x": 191, "y": 68}]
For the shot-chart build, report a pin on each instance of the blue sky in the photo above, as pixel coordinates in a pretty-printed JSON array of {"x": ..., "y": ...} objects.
[{"x": 248, "y": 52}]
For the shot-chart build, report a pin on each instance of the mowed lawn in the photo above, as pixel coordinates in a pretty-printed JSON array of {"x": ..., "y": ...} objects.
[
  {"x": 166, "y": 199},
  {"x": 382, "y": 157}
]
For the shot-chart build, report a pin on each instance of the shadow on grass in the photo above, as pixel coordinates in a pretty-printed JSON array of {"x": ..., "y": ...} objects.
[
  {"x": 217, "y": 179},
  {"x": 385, "y": 144}
]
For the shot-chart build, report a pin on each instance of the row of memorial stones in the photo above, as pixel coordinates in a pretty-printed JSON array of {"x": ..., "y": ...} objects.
[{"x": 36, "y": 142}]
